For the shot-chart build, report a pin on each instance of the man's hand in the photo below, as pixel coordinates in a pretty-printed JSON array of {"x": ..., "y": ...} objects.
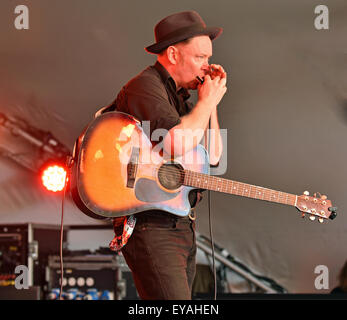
[
  {"x": 217, "y": 70},
  {"x": 214, "y": 87}
]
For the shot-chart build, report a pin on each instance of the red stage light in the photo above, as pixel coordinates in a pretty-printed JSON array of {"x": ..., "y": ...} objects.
[{"x": 53, "y": 178}]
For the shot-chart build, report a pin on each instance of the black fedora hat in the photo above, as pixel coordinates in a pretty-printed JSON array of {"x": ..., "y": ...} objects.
[{"x": 178, "y": 27}]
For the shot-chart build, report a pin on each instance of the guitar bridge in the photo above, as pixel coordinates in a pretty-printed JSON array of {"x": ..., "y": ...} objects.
[{"x": 132, "y": 167}]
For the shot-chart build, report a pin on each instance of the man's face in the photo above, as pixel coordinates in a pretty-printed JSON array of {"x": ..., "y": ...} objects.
[{"x": 193, "y": 61}]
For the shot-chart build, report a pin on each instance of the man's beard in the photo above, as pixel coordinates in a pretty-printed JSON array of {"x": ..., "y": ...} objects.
[{"x": 192, "y": 85}]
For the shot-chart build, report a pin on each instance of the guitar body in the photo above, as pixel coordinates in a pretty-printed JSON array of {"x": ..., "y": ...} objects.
[{"x": 116, "y": 172}]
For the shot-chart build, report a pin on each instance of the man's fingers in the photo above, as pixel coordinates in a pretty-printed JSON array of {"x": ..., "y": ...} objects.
[
  {"x": 223, "y": 81},
  {"x": 218, "y": 71},
  {"x": 207, "y": 77},
  {"x": 217, "y": 78},
  {"x": 218, "y": 67}
]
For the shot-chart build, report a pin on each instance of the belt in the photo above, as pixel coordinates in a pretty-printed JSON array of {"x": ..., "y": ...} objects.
[{"x": 158, "y": 215}]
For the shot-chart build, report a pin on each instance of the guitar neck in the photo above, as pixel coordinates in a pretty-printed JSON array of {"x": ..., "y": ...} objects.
[{"x": 205, "y": 181}]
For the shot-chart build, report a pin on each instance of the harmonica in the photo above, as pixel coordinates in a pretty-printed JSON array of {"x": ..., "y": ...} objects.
[
  {"x": 210, "y": 71},
  {"x": 200, "y": 80}
]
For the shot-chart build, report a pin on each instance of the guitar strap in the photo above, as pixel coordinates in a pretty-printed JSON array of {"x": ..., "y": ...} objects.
[{"x": 119, "y": 241}]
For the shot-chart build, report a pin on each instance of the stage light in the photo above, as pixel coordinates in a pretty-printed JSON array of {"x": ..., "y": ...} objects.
[{"x": 53, "y": 177}]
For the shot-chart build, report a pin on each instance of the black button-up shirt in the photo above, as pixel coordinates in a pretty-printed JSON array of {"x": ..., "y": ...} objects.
[{"x": 152, "y": 96}]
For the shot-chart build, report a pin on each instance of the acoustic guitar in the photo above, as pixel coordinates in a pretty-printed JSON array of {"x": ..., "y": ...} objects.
[{"x": 116, "y": 172}]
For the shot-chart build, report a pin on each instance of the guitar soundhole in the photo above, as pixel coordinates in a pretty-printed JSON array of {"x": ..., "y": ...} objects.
[{"x": 171, "y": 176}]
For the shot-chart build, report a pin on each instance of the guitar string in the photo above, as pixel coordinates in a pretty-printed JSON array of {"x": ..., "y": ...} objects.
[
  {"x": 178, "y": 173},
  {"x": 283, "y": 197},
  {"x": 224, "y": 183},
  {"x": 213, "y": 182},
  {"x": 174, "y": 173},
  {"x": 183, "y": 177},
  {"x": 286, "y": 198}
]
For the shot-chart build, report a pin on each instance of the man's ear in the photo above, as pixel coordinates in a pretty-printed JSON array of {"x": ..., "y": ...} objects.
[{"x": 172, "y": 54}]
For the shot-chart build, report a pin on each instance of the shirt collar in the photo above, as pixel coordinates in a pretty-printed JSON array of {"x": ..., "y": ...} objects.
[
  {"x": 184, "y": 93},
  {"x": 166, "y": 77},
  {"x": 164, "y": 74}
]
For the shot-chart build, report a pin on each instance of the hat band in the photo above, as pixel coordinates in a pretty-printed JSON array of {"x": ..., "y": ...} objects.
[{"x": 186, "y": 30}]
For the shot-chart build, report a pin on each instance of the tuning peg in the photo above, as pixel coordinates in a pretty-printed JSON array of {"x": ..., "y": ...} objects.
[
  {"x": 312, "y": 217},
  {"x": 324, "y": 197},
  {"x": 302, "y": 215},
  {"x": 321, "y": 220},
  {"x": 306, "y": 193},
  {"x": 333, "y": 212}
]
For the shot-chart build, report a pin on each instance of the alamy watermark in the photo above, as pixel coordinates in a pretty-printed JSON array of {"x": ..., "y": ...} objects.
[
  {"x": 22, "y": 280},
  {"x": 321, "y": 21},
  {"x": 22, "y": 19},
  {"x": 174, "y": 145},
  {"x": 322, "y": 280}
]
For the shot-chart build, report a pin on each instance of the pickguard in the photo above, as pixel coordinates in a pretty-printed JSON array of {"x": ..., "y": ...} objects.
[{"x": 147, "y": 190}]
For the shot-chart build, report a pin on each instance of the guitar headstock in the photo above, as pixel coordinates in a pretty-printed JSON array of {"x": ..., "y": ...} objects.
[{"x": 319, "y": 207}]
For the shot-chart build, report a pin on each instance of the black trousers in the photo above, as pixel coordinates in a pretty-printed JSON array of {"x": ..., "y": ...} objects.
[{"x": 161, "y": 255}]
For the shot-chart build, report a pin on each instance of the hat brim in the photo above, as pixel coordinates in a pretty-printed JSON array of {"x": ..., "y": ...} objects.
[{"x": 212, "y": 32}]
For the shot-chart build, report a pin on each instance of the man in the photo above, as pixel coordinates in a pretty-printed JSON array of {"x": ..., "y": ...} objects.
[{"x": 161, "y": 250}]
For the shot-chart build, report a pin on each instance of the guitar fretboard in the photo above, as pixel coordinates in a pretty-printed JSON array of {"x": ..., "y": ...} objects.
[{"x": 204, "y": 181}]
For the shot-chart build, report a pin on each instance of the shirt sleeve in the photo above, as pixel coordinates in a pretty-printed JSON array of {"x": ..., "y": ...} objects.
[{"x": 147, "y": 100}]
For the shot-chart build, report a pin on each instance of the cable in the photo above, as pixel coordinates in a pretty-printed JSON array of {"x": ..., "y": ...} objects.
[
  {"x": 210, "y": 221},
  {"x": 212, "y": 246},
  {"x": 62, "y": 232}
]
